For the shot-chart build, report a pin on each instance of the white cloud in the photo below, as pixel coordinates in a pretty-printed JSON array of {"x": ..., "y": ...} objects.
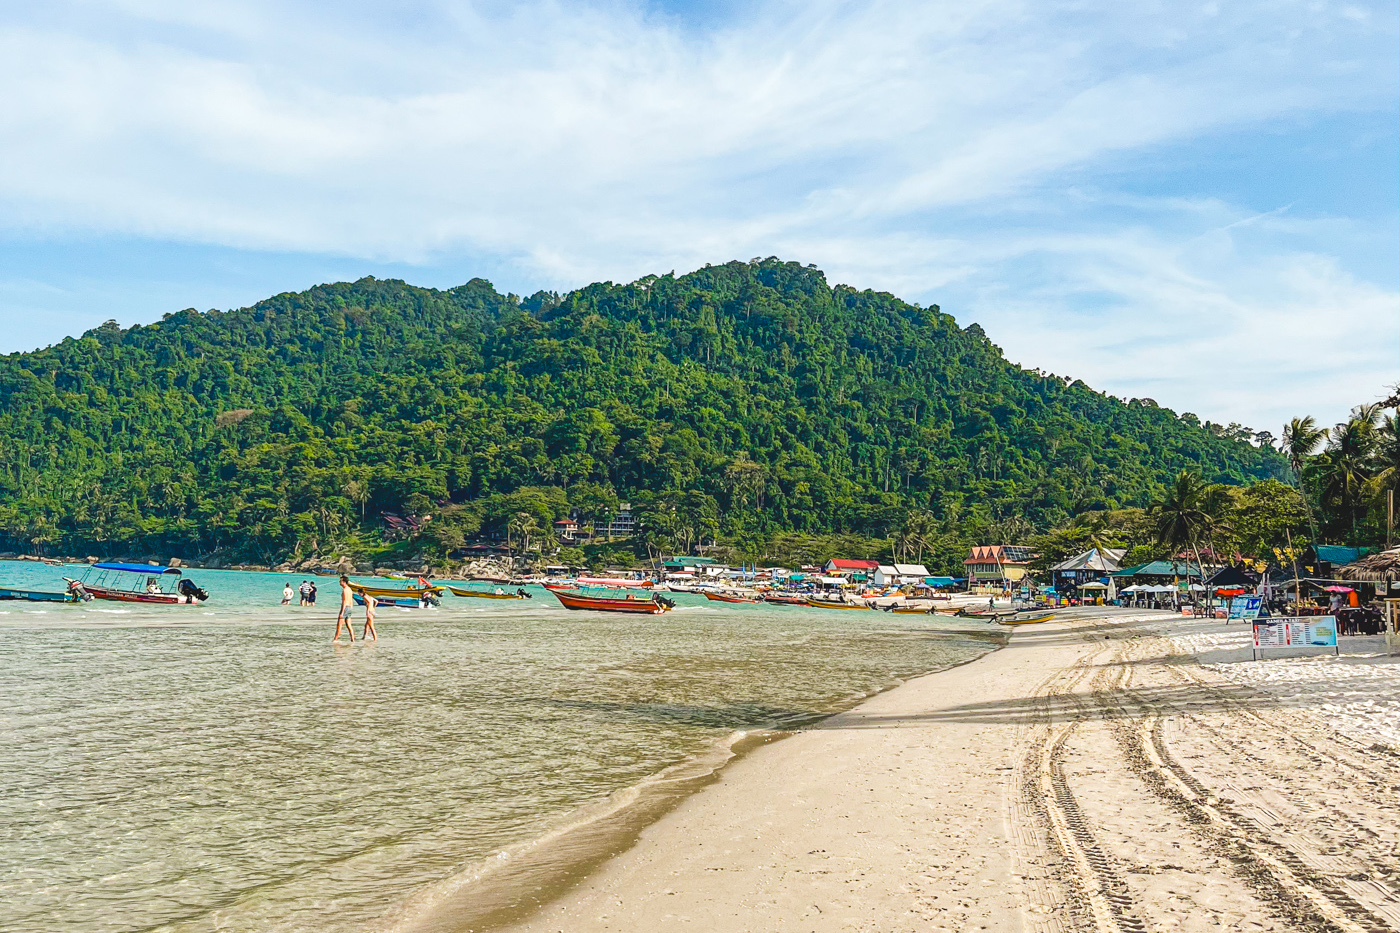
[{"x": 903, "y": 145}]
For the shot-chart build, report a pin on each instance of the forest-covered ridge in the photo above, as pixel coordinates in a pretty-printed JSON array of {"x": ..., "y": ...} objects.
[{"x": 741, "y": 399}]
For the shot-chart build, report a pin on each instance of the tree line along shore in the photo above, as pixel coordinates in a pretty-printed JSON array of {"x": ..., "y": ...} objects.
[{"x": 749, "y": 410}]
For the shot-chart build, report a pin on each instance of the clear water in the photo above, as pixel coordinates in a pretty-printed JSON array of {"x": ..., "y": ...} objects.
[{"x": 224, "y": 767}]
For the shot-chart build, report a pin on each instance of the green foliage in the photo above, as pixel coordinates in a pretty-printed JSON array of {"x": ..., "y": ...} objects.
[{"x": 736, "y": 402}]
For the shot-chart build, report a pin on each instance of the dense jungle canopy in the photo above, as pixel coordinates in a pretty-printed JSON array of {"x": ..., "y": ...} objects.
[{"x": 739, "y": 400}]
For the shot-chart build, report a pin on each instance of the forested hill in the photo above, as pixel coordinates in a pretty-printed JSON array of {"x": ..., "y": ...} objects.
[{"x": 747, "y": 397}]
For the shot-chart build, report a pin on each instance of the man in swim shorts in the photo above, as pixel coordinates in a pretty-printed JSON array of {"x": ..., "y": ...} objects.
[{"x": 347, "y": 601}]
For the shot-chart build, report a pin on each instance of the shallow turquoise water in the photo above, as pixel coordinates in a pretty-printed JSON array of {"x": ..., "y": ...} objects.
[{"x": 225, "y": 767}]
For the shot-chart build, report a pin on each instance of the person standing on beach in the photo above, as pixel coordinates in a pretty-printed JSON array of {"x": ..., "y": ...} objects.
[
  {"x": 347, "y": 600},
  {"x": 369, "y": 631},
  {"x": 287, "y": 595}
]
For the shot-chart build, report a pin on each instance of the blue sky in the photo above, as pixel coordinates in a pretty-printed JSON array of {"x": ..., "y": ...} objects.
[{"x": 1196, "y": 203}]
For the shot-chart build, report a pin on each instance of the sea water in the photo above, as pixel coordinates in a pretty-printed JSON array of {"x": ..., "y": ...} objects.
[{"x": 224, "y": 767}]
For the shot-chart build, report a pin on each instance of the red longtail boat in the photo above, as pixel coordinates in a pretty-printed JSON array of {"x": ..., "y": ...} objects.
[
  {"x": 729, "y": 597},
  {"x": 654, "y": 605}
]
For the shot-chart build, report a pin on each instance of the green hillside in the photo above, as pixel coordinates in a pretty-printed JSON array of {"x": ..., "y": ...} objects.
[{"x": 737, "y": 400}]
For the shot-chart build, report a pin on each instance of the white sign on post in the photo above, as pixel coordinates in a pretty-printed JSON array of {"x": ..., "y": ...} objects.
[{"x": 1295, "y": 632}]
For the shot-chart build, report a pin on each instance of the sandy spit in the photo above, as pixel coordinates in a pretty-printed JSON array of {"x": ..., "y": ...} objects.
[{"x": 1092, "y": 776}]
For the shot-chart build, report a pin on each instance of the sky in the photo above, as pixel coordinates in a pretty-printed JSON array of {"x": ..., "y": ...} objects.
[{"x": 1194, "y": 203}]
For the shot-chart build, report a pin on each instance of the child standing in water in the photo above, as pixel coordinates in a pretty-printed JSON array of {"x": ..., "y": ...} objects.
[
  {"x": 369, "y": 631},
  {"x": 347, "y": 600}
]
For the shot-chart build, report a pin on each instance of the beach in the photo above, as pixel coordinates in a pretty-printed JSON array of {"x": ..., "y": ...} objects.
[{"x": 1093, "y": 775}]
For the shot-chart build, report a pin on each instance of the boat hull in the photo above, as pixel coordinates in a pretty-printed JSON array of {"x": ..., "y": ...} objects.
[
  {"x": 722, "y": 598},
  {"x": 387, "y": 602},
  {"x": 124, "y": 596},
  {"x": 387, "y": 592},
  {"x": 609, "y": 604},
  {"x": 912, "y": 610},
  {"x": 831, "y": 604},
  {"x": 37, "y": 596},
  {"x": 1032, "y": 620},
  {"x": 477, "y": 594}
]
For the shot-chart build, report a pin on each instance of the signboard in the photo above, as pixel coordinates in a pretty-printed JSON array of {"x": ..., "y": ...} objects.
[
  {"x": 1295, "y": 632},
  {"x": 1270, "y": 633},
  {"x": 1245, "y": 607}
]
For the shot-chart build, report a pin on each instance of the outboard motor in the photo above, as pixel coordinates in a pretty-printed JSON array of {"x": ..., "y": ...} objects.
[{"x": 187, "y": 588}]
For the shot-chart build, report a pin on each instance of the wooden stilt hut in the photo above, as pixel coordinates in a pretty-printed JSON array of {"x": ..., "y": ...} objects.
[{"x": 1381, "y": 570}]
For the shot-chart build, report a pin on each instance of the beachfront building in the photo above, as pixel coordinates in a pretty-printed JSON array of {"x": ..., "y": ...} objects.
[
  {"x": 1093, "y": 566},
  {"x": 997, "y": 564},
  {"x": 856, "y": 571},
  {"x": 566, "y": 529},
  {"x": 899, "y": 574},
  {"x": 622, "y": 525}
]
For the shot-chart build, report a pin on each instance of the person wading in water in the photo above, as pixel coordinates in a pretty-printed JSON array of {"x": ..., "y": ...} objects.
[
  {"x": 369, "y": 631},
  {"x": 347, "y": 601}
]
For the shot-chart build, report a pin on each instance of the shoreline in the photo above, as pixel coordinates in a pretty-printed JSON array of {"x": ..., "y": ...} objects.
[
  {"x": 1087, "y": 776},
  {"x": 510, "y": 887}
]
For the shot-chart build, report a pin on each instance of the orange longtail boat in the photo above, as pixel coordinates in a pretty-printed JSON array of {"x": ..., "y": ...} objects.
[
  {"x": 729, "y": 597},
  {"x": 654, "y": 605}
]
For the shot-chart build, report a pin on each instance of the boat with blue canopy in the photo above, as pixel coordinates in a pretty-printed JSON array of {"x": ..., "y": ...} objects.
[{"x": 137, "y": 583}]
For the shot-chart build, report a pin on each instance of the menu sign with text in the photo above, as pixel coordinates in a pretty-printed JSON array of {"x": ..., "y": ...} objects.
[{"x": 1295, "y": 632}]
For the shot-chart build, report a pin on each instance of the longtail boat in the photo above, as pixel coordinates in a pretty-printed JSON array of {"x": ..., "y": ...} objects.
[
  {"x": 1027, "y": 619},
  {"x": 729, "y": 597},
  {"x": 397, "y": 602},
  {"x": 784, "y": 599},
  {"x": 619, "y": 582},
  {"x": 652, "y": 606},
  {"x": 40, "y": 596},
  {"x": 136, "y": 583},
  {"x": 834, "y": 604},
  {"x": 467, "y": 593},
  {"x": 910, "y": 610},
  {"x": 412, "y": 592}
]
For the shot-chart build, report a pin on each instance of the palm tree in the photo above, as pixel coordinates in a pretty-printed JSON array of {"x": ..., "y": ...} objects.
[
  {"x": 523, "y": 525},
  {"x": 1301, "y": 438},
  {"x": 1182, "y": 518},
  {"x": 1348, "y": 467}
]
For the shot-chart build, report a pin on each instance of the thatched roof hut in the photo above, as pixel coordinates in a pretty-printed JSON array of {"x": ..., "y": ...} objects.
[{"x": 1377, "y": 568}]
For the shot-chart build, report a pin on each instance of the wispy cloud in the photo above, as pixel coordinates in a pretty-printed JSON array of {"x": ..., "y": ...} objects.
[{"x": 910, "y": 146}]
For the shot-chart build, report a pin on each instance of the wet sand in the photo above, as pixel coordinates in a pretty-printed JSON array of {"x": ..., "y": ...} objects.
[{"x": 1089, "y": 777}]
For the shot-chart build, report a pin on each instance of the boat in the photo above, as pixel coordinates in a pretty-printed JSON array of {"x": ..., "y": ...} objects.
[
  {"x": 834, "y": 604},
  {"x": 484, "y": 594},
  {"x": 388, "y": 592},
  {"x": 653, "y": 605},
  {"x": 619, "y": 582},
  {"x": 398, "y": 602},
  {"x": 1026, "y": 619},
  {"x": 136, "y": 583},
  {"x": 785, "y": 599},
  {"x": 729, "y": 597},
  {"x": 40, "y": 596},
  {"x": 909, "y": 610}
]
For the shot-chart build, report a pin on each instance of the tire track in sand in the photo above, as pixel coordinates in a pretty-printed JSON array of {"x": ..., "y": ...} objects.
[
  {"x": 1097, "y": 897},
  {"x": 1278, "y": 875}
]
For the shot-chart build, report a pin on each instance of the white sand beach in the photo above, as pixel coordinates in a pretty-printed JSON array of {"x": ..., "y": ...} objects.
[{"x": 1092, "y": 776}]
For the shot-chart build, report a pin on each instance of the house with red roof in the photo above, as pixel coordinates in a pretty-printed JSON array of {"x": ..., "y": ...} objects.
[{"x": 854, "y": 569}]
